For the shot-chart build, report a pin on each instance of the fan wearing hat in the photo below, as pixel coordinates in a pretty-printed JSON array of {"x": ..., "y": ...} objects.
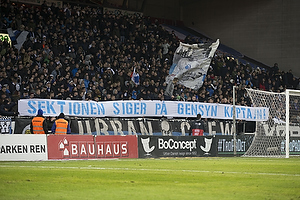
[
  {"x": 61, "y": 126},
  {"x": 38, "y": 124}
]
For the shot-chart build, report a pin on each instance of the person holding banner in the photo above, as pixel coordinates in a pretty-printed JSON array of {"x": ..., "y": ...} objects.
[
  {"x": 38, "y": 124},
  {"x": 197, "y": 127},
  {"x": 61, "y": 126}
]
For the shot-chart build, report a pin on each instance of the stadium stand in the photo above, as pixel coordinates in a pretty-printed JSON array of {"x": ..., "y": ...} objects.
[{"x": 85, "y": 53}]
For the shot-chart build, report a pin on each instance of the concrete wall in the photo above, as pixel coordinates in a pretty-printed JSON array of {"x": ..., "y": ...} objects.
[
  {"x": 266, "y": 30},
  {"x": 164, "y": 9}
]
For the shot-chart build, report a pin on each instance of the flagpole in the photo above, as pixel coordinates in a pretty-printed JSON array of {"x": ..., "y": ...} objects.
[{"x": 234, "y": 122}]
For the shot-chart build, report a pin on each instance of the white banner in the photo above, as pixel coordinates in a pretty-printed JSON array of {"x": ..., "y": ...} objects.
[
  {"x": 51, "y": 107},
  {"x": 15, "y": 147}
]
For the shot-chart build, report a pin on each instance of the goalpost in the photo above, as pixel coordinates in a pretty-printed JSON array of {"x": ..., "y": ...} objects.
[{"x": 272, "y": 137}]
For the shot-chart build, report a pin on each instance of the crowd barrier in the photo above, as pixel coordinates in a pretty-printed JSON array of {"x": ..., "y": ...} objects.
[{"x": 29, "y": 147}]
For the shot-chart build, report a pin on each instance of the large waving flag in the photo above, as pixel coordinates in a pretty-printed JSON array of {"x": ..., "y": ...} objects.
[
  {"x": 190, "y": 64},
  {"x": 18, "y": 37}
]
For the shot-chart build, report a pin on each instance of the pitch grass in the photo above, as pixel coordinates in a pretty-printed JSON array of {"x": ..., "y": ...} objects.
[{"x": 174, "y": 178}]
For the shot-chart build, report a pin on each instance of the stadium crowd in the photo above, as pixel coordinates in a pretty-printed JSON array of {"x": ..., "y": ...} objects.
[{"x": 85, "y": 53}]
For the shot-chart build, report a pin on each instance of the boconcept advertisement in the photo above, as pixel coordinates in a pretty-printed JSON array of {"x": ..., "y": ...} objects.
[{"x": 180, "y": 146}]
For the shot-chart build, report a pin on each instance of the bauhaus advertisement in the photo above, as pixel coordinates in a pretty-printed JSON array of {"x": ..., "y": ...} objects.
[{"x": 91, "y": 147}]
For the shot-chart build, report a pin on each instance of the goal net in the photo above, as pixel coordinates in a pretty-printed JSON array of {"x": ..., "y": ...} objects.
[{"x": 272, "y": 136}]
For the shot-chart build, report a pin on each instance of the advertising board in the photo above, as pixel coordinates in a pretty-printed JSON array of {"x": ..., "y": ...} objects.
[
  {"x": 176, "y": 146},
  {"x": 90, "y": 147},
  {"x": 225, "y": 144},
  {"x": 116, "y": 146},
  {"x": 23, "y": 147},
  {"x": 71, "y": 147}
]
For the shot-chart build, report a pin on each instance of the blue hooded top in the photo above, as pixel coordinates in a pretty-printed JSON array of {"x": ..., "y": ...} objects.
[{"x": 40, "y": 112}]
